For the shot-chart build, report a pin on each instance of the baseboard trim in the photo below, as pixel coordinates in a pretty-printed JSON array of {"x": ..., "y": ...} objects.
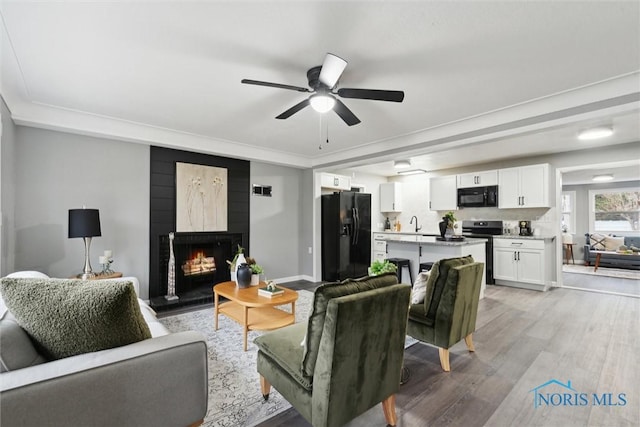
[{"x": 294, "y": 278}]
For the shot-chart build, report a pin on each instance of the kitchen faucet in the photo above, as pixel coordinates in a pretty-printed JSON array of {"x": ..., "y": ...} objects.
[{"x": 411, "y": 222}]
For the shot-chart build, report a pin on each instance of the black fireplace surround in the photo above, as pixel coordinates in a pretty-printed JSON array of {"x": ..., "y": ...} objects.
[
  {"x": 201, "y": 260},
  {"x": 208, "y": 251}
]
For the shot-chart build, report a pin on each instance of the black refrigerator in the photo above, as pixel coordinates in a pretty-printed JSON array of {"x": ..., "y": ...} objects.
[{"x": 346, "y": 235}]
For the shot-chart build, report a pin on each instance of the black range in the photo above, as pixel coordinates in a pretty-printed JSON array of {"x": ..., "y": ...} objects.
[{"x": 485, "y": 229}]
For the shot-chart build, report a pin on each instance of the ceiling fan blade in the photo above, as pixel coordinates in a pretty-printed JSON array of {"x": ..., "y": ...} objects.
[
  {"x": 376, "y": 95},
  {"x": 278, "y": 85},
  {"x": 332, "y": 69},
  {"x": 291, "y": 111},
  {"x": 345, "y": 113}
]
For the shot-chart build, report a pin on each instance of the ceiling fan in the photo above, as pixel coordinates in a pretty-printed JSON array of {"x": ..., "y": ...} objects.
[{"x": 322, "y": 81}]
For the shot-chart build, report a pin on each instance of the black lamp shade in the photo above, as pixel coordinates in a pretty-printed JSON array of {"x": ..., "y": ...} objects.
[{"x": 84, "y": 223}]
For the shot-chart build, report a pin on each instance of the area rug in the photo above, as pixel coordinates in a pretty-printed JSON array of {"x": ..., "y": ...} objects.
[
  {"x": 234, "y": 384},
  {"x": 602, "y": 271}
]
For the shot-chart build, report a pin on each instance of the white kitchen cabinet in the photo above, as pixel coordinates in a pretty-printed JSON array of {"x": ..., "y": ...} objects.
[
  {"x": 524, "y": 187},
  {"x": 379, "y": 247},
  {"x": 478, "y": 179},
  {"x": 336, "y": 182},
  {"x": 443, "y": 193},
  {"x": 509, "y": 188},
  {"x": 524, "y": 263},
  {"x": 390, "y": 197}
]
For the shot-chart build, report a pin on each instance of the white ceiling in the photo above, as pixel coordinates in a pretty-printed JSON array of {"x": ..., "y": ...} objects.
[
  {"x": 620, "y": 173},
  {"x": 493, "y": 79}
]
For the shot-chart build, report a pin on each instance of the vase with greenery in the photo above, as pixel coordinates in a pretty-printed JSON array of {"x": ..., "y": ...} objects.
[
  {"x": 380, "y": 267},
  {"x": 447, "y": 223},
  {"x": 237, "y": 260},
  {"x": 450, "y": 218},
  {"x": 256, "y": 271}
]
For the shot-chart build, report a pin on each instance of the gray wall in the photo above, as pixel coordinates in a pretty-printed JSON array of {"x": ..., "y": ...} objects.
[
  {"x": 58, "y": 171},
  {"x": 50, "y": 172},
  {"x": 306, "y": 224},
  {"x": 7, "y": 191},
  {"x": 582, "y": 209},
  {"x": 276, "y": 223}
]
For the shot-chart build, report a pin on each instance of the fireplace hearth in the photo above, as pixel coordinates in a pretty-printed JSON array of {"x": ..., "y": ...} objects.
[{"x": 201, "y": 262}]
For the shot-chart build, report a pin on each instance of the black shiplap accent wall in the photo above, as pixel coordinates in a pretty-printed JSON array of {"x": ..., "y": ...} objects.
[{"x": 162, "y": 203}]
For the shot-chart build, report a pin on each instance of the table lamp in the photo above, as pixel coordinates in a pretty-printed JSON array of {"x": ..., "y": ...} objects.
[{"x": 85, "y": 223}]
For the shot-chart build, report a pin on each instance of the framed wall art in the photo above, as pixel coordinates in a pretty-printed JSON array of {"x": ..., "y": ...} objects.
[{"x": 201, "y": 198}]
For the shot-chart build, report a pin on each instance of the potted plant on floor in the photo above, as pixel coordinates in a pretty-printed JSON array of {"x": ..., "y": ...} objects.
[{"x": 380, "y": 267}]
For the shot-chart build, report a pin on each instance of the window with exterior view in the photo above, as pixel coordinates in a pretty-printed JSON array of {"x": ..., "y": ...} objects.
[
  {"x": 568, "y": 216},
  {"x": 615, "y": 210}
]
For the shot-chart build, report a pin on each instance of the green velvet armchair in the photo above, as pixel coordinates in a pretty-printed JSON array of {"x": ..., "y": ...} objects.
[
  {"x": 351, "y": 358},
  {"x": 450, "y": 308}
]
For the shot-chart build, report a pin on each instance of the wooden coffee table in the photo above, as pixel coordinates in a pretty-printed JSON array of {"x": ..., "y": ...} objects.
[{"x": 254, "y": 312}]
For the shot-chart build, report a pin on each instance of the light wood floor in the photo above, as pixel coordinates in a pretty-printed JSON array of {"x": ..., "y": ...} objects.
[
  {"x": 523, "y": 339},
  {"x": 602, "y": 284}
]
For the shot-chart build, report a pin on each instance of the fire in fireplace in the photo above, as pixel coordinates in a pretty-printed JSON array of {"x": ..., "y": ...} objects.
[
  {"x": 199, "y": 264},
  {"x": 200, "y": 258}
]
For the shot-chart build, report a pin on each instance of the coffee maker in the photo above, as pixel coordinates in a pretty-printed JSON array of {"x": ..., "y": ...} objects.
[{"x": 525, "y": 228}]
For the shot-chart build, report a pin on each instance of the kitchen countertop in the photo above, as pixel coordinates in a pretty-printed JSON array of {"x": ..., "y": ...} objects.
[
  {"x": 516, "y": 236},
  {"x": 407, "y": 233},
  {"x": 430, "y": 240},
  {"x": 416, "y": 237}
]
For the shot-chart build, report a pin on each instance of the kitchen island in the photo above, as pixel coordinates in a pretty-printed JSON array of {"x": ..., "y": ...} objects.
[{"x": 418, "y": 248}]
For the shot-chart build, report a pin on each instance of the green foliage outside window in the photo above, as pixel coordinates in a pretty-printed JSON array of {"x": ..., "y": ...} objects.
[{"x": 617, "y": 211}]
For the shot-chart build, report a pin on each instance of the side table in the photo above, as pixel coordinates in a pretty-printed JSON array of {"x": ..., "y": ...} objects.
[
  {"x": 99, "y": 276},
  {"x": 568, "y": 252}
]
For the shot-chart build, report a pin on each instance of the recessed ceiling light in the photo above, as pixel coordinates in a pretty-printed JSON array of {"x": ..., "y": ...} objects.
[
  {"x": 402, "y": 164},
  {"x": 603, "y": 177},
  {"x": 595, "y": 133},
  {"x": 412, "y": 172}
]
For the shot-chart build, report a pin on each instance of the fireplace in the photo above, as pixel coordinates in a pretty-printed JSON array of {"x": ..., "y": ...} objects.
[
  {"x": 201, "y": 262},
  {"x": 162, "y": 221}
]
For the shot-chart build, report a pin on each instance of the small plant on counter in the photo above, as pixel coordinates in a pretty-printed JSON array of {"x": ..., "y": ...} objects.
[
  {"x": 450, "y": 218},
  {"x": 380, "y": 267}
]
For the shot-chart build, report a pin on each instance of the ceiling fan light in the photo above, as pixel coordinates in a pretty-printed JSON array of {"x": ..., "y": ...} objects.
[
  {"x": 322, "y": 103},
  {"x": 402, "y": 164},
  {"x": 603, "y": 177},
  {"x": 595, "y": 133}
]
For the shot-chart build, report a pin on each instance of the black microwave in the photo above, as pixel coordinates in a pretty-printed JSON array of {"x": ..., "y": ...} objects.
[{"x": 478, "y": 197}]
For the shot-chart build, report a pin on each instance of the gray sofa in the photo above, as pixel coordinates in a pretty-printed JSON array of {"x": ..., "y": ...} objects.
[
  {"x": 161, "y": 381},
  {"x": 611, "y": 259}
]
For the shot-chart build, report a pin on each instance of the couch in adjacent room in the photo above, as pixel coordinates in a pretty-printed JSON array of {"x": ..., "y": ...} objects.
[
  {"x": 155, "y": 378},
  {"x": 595, "y": 242}
]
